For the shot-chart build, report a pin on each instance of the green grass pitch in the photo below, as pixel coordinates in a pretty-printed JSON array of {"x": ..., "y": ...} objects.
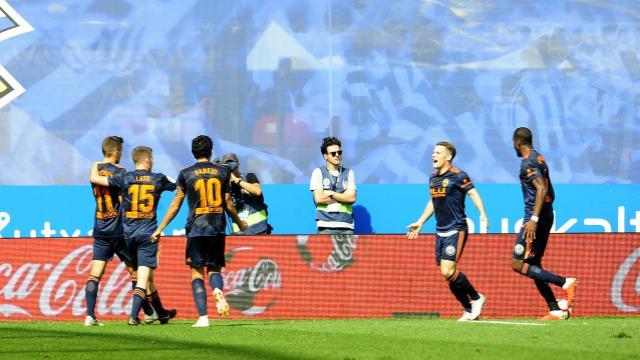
[{"x": 578, "y": 338}]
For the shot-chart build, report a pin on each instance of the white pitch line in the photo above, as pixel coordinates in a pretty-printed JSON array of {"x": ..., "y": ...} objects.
[{"x": 506, "y": 322}]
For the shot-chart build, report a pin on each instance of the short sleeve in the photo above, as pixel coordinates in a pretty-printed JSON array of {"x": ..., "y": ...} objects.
[
  {"x": 316, "y": 180},
  {"x": 465, "y": 182},
  {"x": 351, "y": 181},
  {"x": 167, "y": 185},
  {"x": 117, "y": 179},
  {"x": 529, "y": 170},
  {"x": 251, "y": 178},
  {"x": 181, "y": 183}
]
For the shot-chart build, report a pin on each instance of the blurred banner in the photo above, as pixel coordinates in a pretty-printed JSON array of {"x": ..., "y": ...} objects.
[
  {"x": 292, "y": 277},
  {"x": 269, "y": 79},
  {"x": 68, "y": 211}
]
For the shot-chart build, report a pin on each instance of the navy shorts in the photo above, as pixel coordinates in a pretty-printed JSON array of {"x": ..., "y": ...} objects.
[
  {"x": 143, "y": 252},
  {"x": 205, "y": 251},
  {"x": 105, "y": 248},
  {"x": 538, "y": 245},
  {"x": 450, "y": 247}
]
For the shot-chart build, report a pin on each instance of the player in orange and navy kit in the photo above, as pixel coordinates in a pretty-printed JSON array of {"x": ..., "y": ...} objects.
[
  {"x": 140, "y": 190},
  {"x": 449, "y": 187},
  {"x": 531, "y": 243},
  {"x": 207, "y": 188},
  {"x": 107, "y": 227}
]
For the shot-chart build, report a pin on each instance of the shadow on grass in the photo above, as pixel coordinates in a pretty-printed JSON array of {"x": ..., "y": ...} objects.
[{"x": 106, "y": 342}]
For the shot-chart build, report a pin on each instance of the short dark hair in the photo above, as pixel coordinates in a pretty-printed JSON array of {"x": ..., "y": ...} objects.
[
  {"x": 448, "y": 146},
  {"x": 111, "y": 144},
  {"x": 329, "y": 141},
  {"x": 141, "y": 152},
  {"x": 524, "y": 135},
  {"x": 202, "y": 147}
]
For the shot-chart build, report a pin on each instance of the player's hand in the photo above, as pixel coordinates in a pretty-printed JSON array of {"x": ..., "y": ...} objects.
[
  {"x": 234, "y": 178},
  {"x": 530, "y": 231},
  {"x": 243, "y": 225},
  {"x": 484, "y": 226},
  {"x": 155, "y": 237},
  {"x": 414, "y": 230}
]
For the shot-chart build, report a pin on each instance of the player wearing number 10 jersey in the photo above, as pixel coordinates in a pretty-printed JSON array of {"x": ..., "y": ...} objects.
[{"x": 207, "y": 188}]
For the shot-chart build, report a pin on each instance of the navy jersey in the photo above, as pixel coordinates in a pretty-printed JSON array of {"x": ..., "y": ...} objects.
[
  {"x": 140, "y": 190},
  {"x": 532, "y": 167},
  {"x": 448, "y": 193},
  {"x": 107, "y": 222},
  {"x": 205, "y": 185}
]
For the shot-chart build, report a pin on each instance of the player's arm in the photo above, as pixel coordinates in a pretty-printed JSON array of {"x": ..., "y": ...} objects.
[
  {"x": 477, "y": 201},
  {"x": 532, "y": 225},
  {"x": 414, "y": 228},
  {"x": 233, "y": 213},
  {"x": 250, "y": 185},
  {"x": 173, "y": 210},
  {"x": 96, "y": 178}
]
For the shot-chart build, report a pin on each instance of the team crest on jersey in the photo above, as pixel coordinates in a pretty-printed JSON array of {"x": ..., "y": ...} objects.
[
  {"x": 450, "y": 250},
  {"x": 445, "y": 182},
  {"x": 518, "y": 249}
]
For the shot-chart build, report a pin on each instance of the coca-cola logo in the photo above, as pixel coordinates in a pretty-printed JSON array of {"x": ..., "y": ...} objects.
[
  {"x": 251, "y": 283},
  {"x": 626, "y": 272},
  {"x": 60, "y": 287},
  {"x": 341, "y": 253}
]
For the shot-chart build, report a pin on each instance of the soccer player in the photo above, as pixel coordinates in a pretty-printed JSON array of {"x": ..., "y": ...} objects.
[
  {"x": 107, "y": 227},
  {"x": 207, "y": 188},
  {"x": 140, "y": 190},
  {"x": 538, "y": 219},
  {"x": 448, "y": 187}
]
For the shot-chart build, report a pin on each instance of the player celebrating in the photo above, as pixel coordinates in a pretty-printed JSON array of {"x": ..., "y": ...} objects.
[
  {"x": 449, "y": 186},
  {"x": 140, "y": 190},
  {"x": 538, "y": 219},
  {"x": 207, "y": 188}
]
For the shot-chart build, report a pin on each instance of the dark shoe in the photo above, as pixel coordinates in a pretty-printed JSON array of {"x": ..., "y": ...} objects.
[{"x": 168, "y": 315}]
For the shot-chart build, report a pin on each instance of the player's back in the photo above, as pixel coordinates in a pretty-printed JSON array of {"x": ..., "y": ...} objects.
[
  {"x": 533, "y": 166},
  {"x": 107, "y": 222},
  {"x": 141, "y": 191},
  {"x": 205, "y": 185}
]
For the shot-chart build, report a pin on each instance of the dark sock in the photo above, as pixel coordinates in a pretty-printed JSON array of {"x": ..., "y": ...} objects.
[
  {"x": 461, "y": 295},
  {"x": 91, "y": 294},
  {"x": 538, "y": 273},
  {"x": 154, "y": 300},
  {"x": 139, "y": 296},
  {"x": 547, "y": 294},
  {"x": 216, "y": 281},
  {"x": 199, "y": 296},
  {"x": 465, "y": 284}
]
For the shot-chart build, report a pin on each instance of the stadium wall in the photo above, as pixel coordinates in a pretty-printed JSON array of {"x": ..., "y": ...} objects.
[
  {"x": 67, "y": 211},
  {"x": 320, "y": 276}
]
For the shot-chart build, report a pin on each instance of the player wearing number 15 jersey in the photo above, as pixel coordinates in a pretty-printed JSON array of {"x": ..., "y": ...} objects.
[
  {"x": 207, "y": 188},
  {"x": 140, "y": 190}
]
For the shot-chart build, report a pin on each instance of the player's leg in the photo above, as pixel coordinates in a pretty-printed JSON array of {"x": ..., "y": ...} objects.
[
  {"x": 153, "y": 298},
  {"x": 146, "y": 254},
  {"x": 215, "y": 263},
  {"x": 130, "y": 262},
  {"x": 103, "y": 251},
  {"x": 199, "y": 296},
  {"x": 91, "y": 291},
  {"x": 195, "y": 256}
]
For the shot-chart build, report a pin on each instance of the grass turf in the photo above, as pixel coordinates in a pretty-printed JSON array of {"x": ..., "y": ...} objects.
[{"x": 581, "y": 338}]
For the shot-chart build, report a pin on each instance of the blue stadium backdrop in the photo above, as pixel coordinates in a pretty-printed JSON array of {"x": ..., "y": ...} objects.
[{"x": 269, "y": 79}]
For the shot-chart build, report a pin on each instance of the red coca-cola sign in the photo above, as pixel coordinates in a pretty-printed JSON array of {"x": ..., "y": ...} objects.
[{"x": 269, "y": 277}]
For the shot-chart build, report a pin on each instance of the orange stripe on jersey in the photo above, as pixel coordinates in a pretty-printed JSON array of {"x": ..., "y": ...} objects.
[
  {"x": 465, "y": 184},
  {"x": 454, "y": 170}
]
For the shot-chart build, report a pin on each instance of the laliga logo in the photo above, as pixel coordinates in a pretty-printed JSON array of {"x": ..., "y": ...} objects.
[
  {"x": 341, "y": 256},
  {"x": 251, "y": 284},
  {"x": 618, "y": 283},
  {"x": 59, "y": 290},
  {"x": 9, "y": 87}
]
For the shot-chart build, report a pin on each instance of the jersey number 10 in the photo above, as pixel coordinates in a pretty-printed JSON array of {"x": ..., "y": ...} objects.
[{"x": 210, "y": 191}]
